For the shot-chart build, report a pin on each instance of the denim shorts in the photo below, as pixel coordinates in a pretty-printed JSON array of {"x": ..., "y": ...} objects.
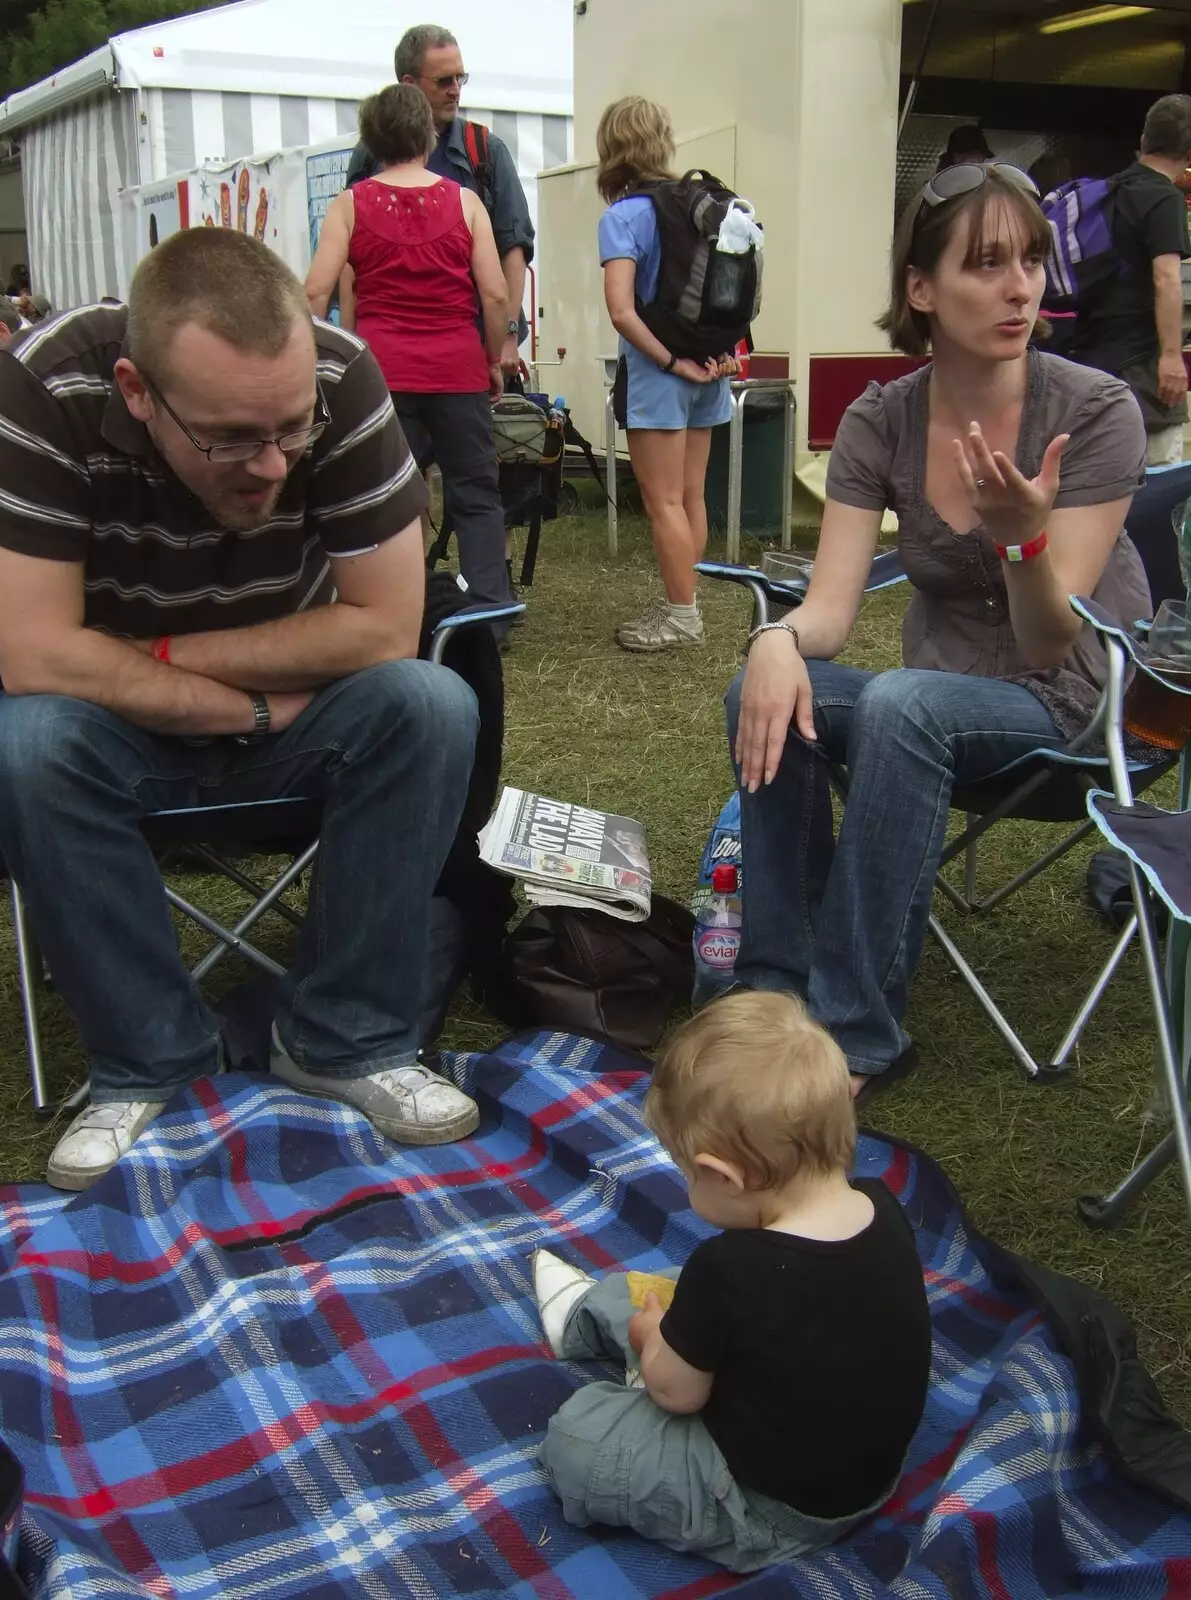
[{"x": 658, "y": 399}]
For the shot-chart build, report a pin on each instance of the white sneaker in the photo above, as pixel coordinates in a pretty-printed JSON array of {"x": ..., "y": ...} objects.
[
  {"x": 410, "y": 1105},
  {"x": 96, "y": 1140},
  {"x": 657, "y": 630},
  {"x": 557, "y": 1287}
]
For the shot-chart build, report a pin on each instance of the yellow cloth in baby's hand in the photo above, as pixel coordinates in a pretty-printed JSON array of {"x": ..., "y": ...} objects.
[{"x": 643, "y": 1283}]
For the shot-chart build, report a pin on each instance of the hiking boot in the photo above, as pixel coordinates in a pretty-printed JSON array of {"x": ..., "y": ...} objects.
[
  {"x": 657, "y": 630},
  {"x": 96, "y": 1140},
  {"x": 410, "y": 1105}
]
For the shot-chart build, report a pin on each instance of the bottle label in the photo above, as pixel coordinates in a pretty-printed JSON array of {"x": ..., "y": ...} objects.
[{"x": 718, "y": 948}]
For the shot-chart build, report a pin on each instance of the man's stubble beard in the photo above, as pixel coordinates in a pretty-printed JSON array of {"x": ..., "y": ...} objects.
[{"x": 234, "y": 517}]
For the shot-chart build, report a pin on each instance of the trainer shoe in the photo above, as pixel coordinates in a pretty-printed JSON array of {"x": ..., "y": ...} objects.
[
  {"x": 410, "y": 1105},
  {"x": 657, "y": 630},
  {"x": 557, "y": 1287},
  {"x": 96, "y": 1140}
]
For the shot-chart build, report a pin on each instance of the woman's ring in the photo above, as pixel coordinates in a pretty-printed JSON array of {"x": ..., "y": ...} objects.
[{"x": 980, "y": 482}]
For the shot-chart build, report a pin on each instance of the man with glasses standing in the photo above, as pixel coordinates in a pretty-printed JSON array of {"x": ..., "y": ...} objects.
[
  {"x": 211, "y": 592},
  {"x": 429, "y": 57}
]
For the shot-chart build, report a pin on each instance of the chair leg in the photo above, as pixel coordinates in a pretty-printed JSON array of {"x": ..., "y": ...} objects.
[
  {"x": 226, "y": 869},
  {"x": 29, "y": 979},
  {"x": 986, "y": 1002},
  {"x": 1055, "y": 853},
  {"x": 529, "y": 560},
  {"x": 1095, "y": 994},
  {"x": 971, "y": 855},
  {"x": 234, "y": 938},
  {"x": 1105, "y": 1211},
  {"x": 228, "y": 938}
]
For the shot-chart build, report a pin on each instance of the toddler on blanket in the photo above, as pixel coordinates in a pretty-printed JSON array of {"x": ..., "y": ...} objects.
[{"x": 780, "y": 1389}]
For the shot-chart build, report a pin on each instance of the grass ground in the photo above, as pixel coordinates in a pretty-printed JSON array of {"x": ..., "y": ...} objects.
[{"x": 587, "y": 722}]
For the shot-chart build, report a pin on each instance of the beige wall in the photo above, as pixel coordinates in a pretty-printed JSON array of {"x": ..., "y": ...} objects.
[{"x": 810, "y": 87}]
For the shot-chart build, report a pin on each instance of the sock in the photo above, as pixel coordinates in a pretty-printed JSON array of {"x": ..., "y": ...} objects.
[{"x": 685, "y": 616}]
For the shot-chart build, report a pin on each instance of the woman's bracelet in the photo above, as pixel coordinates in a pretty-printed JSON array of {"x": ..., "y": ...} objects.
[
  {"x": 768, "y": 627},
  {"x": 1022, "y": 552}
]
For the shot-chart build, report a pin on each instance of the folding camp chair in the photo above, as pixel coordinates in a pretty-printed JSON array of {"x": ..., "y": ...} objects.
[
  {"x": 1157, "y": 846},
  {"x": 215, "y": 835},
  {"x": 1046, "y": 786}
]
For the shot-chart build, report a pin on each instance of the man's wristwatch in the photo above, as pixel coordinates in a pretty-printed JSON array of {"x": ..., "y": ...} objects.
[
  {"x": 513, "y": 326},
  {"x": 260, "y": 712}
]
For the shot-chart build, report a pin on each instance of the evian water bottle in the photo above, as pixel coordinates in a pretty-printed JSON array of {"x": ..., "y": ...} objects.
[{"x": 717, "y": 934}]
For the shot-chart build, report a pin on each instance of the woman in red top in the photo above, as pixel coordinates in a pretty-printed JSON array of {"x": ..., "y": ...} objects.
[{"x": 425, "y": 265}]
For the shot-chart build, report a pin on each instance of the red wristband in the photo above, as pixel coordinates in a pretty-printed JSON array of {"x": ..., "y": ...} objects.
[
  {"x": 1022, "y": 552},
  {"x": 160, "y": 648}
]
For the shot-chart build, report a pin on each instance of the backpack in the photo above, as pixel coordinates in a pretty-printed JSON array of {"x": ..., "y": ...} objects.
[
  {"x": 364, "y": 164},
  {"x": 1083, "y": 257},
  {"x": 706, "y": 298}
]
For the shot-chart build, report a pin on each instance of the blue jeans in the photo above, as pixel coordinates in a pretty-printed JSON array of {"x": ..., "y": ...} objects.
[
  {"x": 388, "y": 752},
  {"x": 842, "y": 923}
]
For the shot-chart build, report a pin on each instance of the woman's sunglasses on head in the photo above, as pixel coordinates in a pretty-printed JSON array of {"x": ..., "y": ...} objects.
[{"x": 969, "y": 176}]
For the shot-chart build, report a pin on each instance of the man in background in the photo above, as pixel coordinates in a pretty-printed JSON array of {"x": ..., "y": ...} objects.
[
  {"x": 1134, "y": 326},
  {"x": 966, "y": 146},
  {"x": 429, "y": 57}
]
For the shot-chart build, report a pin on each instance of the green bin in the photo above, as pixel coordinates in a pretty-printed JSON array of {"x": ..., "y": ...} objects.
[{"x": 761, "y": 474}]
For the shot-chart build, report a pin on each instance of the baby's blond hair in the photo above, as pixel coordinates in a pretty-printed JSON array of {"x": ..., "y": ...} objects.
[{"x": 754, "y": 1081}]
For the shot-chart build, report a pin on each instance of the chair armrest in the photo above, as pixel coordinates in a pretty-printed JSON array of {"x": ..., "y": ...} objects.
[
  {"x": 765, "y": 591},
  {"x": 467, "y": 617}
]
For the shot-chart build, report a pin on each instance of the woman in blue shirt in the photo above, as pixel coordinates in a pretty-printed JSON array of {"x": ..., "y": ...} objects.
[{"x": 671, "y": 403}]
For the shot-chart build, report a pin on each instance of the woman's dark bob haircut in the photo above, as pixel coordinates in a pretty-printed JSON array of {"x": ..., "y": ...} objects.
[{"x": 924, "y": 232}]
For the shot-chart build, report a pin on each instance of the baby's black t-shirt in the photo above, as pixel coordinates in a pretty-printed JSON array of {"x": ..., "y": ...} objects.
[{"x": 821, "y": 1355}]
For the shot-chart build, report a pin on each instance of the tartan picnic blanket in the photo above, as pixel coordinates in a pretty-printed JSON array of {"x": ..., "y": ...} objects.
[{"x": 272, "y": 1355}]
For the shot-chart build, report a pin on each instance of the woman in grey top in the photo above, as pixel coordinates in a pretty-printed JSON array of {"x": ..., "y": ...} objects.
[{"x": 1011, "y": 472}]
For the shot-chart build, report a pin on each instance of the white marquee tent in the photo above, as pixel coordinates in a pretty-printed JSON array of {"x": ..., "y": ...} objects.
[{"x": 251, "y": 79}]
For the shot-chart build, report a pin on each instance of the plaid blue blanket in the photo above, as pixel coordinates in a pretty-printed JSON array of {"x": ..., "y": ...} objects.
[{"x": 273, "y": 1356}]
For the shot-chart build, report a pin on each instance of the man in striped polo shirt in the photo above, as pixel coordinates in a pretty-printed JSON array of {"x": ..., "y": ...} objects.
[{"x": 211, "y": 591}]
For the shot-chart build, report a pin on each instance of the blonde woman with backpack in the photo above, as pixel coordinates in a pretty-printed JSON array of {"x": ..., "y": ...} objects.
[{"x": 667, "y": 404}]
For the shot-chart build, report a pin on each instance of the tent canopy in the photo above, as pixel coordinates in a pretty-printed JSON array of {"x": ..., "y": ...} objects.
[{"x": 519, "y": 56}]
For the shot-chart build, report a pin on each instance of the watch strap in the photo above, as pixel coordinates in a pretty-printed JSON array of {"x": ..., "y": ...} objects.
[
  {"x": 261, "y": 721},
  {"x": 260, "y": 711}
]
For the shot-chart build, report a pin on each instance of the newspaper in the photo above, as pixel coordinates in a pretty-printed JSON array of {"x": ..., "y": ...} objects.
[{"x": 566, "y": 855}]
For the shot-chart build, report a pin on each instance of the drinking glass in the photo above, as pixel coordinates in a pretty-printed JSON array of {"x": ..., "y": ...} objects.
[{"x": 1158, "y": 714}]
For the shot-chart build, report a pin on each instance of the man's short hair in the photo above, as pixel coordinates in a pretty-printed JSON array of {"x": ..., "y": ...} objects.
[
  {"x": 413, "y": 45},
  {"x": 754, "y": 1081},
  {"x": 9, "y": 315},
  {"x": 228, "y": 283},
  {"x": 1167, "y": 130},
  {"x": 397, "y": 124}
]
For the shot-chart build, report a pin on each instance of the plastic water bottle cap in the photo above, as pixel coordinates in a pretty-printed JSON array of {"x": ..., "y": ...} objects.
[{"x": 725, "y": 879}]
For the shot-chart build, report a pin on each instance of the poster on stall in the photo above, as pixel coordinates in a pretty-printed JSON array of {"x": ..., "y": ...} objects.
[
  {"x": 242, "y": 196},
  {"x": 325, "y": 175},
  {"x": 162, "y": 209}
]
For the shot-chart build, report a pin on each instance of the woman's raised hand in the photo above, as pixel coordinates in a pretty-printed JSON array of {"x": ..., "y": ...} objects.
[{"x": 1012, "y": 508}]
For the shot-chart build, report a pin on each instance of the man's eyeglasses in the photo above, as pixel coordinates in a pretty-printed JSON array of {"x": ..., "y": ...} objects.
[
  {"x": 968, "y": 176},
  {"x": 248, "y": 449},
  {"x": 452, "y": 77}
]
